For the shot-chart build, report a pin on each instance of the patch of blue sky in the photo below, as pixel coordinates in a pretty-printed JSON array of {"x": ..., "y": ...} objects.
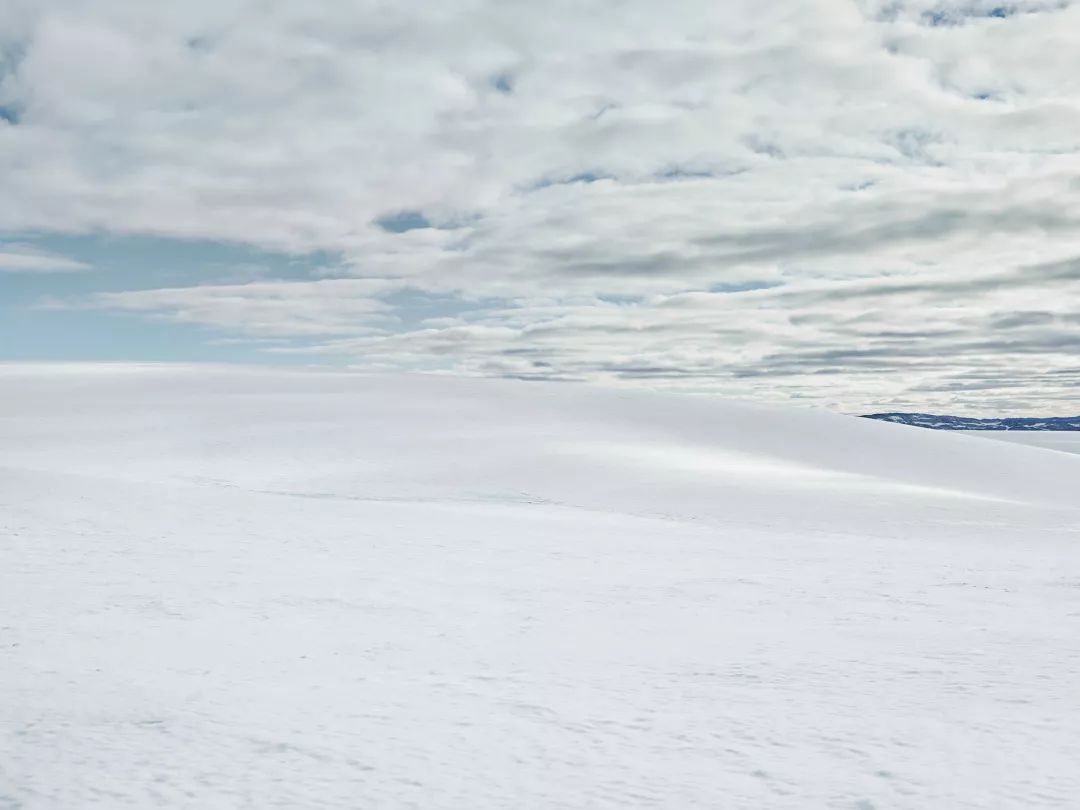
[
  {"x": 413, "y": 307},
  {"x": 743, "y": 286},
  {"x": 414, "y": 220},
  {"x": 46, "y": 335},
  {"x": 31, "y": 331},
  {"x": 684, "y": 173},
  {"x": 403, "y": 221},
  {"x": 141, "y": 262},
  {"x": 620, "y": 300},
  {"x": 944, "y": 17},
  {"x": 503, "y": 83},
  {"x": 582, "y": 177}
]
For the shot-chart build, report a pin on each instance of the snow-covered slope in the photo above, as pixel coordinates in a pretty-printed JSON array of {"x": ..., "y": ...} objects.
[
  {"x": 1066, "y": 441},
  {"x": 254, "y": 588}
]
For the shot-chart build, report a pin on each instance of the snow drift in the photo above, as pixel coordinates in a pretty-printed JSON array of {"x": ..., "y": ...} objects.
[{"x": 264, "y": 588}]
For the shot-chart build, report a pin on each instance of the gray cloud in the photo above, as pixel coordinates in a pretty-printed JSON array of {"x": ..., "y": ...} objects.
[
  {"x": 859, "y": 205},
  {"x": 857, "y": 233}
]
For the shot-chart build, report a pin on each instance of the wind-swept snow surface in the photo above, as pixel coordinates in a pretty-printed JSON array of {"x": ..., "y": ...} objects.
[
  {"x": 243, "y": 588},
  {"x": 1066, "y": 441}
]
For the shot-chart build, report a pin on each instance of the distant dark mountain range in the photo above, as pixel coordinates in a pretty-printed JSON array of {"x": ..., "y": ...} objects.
[{"x": 928, "y": 420}]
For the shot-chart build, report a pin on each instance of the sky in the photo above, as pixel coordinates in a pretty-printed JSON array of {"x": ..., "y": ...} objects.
[{"x": 849, "y": 204}]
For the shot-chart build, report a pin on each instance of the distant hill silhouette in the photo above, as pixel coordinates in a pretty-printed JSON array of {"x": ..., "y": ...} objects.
[{"x": 934, "y": 422}]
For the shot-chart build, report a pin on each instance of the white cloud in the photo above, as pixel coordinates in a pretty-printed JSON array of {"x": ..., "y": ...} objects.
[
  {"x": 568, "y": 156},
  {"x": 268, "y": 309},
  {"x": 16, "y": 257}
]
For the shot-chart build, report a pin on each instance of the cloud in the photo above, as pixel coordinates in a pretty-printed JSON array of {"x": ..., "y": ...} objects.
[
  {"x": 16, "y": 257},
  {"x": 845, "y": 346},
  {"x": 265, "y": 309},
  {"x": 847, "y": 203}
]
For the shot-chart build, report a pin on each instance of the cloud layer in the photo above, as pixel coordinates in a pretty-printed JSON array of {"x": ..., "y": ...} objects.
[
  {"x": 860, "y": 204},
  {"x": 23, "y": 258}
]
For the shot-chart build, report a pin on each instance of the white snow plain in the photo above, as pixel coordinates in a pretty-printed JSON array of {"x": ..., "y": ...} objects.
[
  {"x": 251, "y": 588},
  {"x": 1067, "y": 441}
]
